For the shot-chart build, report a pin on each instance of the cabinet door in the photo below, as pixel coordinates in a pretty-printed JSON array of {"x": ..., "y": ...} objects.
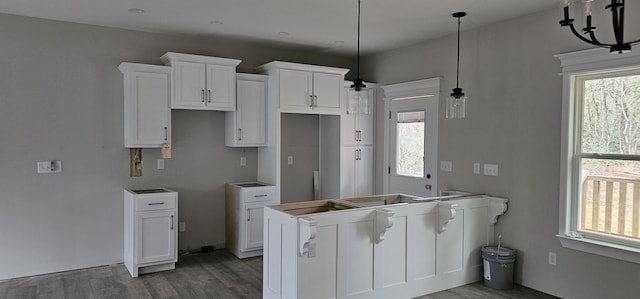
[
  {"x": 251, "y": 119},
  {"x": 364, "y": 171},
  {"x": 254, "y": 222},
  {"x": 147, "y": 114},
  {"x": 348, "y": 172},
  {"x": 221, "y": 87},
  {"x": 326, "y": 89},
  {"x": 155, "y": 236},
  {"x": 295, "y": 89},
  {"x": 190, "y": 87},
  {"x": 366, "y": 118}
]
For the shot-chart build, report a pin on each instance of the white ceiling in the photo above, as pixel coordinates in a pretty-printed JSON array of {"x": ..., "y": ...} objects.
[{"x": 326, "y": 24}]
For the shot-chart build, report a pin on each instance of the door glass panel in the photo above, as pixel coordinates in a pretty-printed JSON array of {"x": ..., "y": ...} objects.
[{"x": 410, "y": 144}]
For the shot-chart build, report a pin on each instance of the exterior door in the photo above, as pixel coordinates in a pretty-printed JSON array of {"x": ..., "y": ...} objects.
[{"x": 413, "y": 146}]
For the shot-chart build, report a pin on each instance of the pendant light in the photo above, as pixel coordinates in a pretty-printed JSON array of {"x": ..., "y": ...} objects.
[
  {"x": 457, "y": 102},
  {"x": 358, "y": 96}
]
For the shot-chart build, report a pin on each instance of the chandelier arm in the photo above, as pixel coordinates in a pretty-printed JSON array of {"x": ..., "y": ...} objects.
[
  {"x": 617, "y": 21},
  {"x": 584, "y": 39}
]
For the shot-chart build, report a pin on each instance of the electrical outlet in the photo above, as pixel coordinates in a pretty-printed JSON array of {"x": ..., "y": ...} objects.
[
  {"x": 491, "y": 169},
  {"x": 182, "y": 227},
  {"x": 160, "y": 163},
  {"x": 446, "y": 166},
  {"x": 49, "y": 167},
  {"x": 290, "y": 160},
  {"x": 243, "y": 161},
  {"x": 476, "y": 168},
  {"x": 552, "y": 258}
]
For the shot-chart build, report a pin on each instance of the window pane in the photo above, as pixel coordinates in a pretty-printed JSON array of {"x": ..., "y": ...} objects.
[
  {"x": 410, "y": 143},
  {"x": 611, "y": 115},
  {"x": 610, "y": 197}
]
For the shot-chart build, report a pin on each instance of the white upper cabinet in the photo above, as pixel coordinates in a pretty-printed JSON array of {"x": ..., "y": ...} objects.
[
  {"x": 147, "y": 117},
  {"x": 247, "y": 126},
  {"x": 358, "y": 117},
  {"x": 202, "y": 82},
  {"x": 305, "y": 88}
]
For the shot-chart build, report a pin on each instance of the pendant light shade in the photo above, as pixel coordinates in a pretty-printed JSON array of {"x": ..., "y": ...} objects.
[
  {"x": 358, "y": 96},
  {"x": 457, "y": 102}
]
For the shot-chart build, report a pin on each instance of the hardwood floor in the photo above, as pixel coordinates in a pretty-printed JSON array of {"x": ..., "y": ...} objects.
[{"x": 218, "y": 274}]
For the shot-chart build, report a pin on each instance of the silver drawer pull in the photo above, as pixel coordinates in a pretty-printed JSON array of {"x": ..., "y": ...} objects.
[
  {"x": 260, "y": 195},
  {"x": 155, "y": 203}
]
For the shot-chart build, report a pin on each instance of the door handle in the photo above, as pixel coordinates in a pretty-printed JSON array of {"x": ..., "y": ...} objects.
[
  {"x": 209, "y": 97},
  {"x": 171, "y": 222},
  {"x": 428, "y": 187},
  {"x": 203, "y": 95}
]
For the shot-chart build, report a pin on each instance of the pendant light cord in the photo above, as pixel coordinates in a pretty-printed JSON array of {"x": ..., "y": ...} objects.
[
  {"x": 458, "y": 59},
  {"x": 358, "y": 67}
]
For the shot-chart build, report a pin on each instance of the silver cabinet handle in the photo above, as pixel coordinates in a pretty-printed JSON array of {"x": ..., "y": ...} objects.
[
  {"x": 260, "y": 195},
  {"x": 155, "y": 203},
  {"x": 171, "y": 222},
  {"x": 311, "y": 101},
  {"x": 166, "y": 134},
  {"x": 209, "y": 97},
  {"x": 248, "y": 214},
  {"x": 315, "y": 105},
  {"x": 239, "y": 133},
  {"x": 203, "y": 95}
]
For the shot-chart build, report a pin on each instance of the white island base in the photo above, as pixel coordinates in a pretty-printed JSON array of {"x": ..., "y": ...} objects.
[{"x": 336, "y": 249}]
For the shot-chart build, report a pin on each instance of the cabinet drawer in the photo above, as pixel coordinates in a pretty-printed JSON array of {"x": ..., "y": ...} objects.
[
  {"x": 158, "y": 202},
  {"x": 259, "y": 194}
]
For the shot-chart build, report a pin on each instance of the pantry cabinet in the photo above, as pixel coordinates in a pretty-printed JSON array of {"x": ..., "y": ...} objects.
[
  {"x": 310, "y": 89},
  {"x": 356, "y": 178},
  {"x": 202, "y": 82},
  {"x": 247, "y": 126},
  {"x": 147, "y": 117},
  {"x": 150, "y": 230},
  {"x": 358, "y": 117}
]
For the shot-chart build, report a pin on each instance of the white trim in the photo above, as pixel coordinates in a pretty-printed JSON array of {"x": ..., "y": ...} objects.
[
  {"x": 583, "y": 63},
  {"x": 426, "y": 87}
]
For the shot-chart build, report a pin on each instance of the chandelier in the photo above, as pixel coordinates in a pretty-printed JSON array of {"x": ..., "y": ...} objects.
[{"x": 589, "y": 31}]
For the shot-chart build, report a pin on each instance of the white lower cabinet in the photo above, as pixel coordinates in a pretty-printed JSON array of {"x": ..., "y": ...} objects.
[
  {"x": 356, "y": 171},
  {"x": 245, "y": 203},
  {"x": 150, "y": 230}
]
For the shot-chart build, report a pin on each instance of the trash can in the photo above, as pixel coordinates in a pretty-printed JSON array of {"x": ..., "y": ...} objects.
[{"x": 498, "y": 267}]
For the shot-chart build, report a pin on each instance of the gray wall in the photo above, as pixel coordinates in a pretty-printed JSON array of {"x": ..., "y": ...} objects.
[
  {"x": 299, "y": 139},
  {"x": 511, "y": 78},
  {"x": 61, "y": 97}
]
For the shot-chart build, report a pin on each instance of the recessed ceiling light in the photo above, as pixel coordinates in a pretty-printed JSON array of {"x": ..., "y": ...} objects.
[
  {"x": 283, "y": 33},
  {"x": 136, "y": 10},
  {"x": 216, "y": 22}
]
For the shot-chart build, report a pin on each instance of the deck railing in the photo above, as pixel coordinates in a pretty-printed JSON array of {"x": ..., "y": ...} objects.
[{"x": 611, "y": 205}]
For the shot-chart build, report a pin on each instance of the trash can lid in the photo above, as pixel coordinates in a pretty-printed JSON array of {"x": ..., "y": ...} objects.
[{"x": 495, "y": 251}]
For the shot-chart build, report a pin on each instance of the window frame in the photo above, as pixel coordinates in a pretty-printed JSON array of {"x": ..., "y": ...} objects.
[{"x": 576, "y": 68}]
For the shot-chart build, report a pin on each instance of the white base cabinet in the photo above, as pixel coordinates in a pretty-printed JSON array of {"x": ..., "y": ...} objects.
[
  {"x": 147, "y": 117},
  {"x": 244, "y": 206},
  {"x": 150, "y": 230},
  {"x": 386, "y": 251}
]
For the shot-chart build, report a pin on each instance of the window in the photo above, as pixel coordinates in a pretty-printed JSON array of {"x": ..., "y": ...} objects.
[
  {"x": 410, "y": 143},
  {"x": 600, "y": 198}
]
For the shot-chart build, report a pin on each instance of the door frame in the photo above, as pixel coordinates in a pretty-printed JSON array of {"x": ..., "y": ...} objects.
[{"x": 409, "y": 90}]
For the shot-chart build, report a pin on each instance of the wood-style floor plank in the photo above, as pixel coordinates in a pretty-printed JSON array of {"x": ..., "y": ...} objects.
[{"x": 217, "y": 274}]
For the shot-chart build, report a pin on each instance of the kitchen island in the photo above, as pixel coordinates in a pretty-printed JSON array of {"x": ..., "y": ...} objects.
[{"x": 387, "y": 246}]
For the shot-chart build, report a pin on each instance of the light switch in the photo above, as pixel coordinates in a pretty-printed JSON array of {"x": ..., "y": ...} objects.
[
  {"x": 243, "y": 161},
  {"x": 476, "y": 168},
  {"x": 290, "y": 160},
  {"x": 446, "y": 166}
]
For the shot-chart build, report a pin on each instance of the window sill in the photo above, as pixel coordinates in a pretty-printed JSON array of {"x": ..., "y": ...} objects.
[{"x": 620, "y": 252}]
